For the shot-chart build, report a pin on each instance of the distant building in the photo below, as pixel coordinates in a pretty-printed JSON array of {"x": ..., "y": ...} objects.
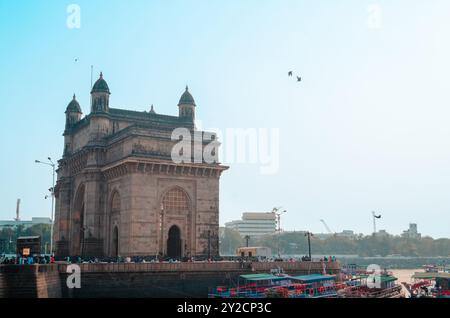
[
  {"x": 322, "y": 236},
  {"x": 411, "y": 232},
  {"x": 254, "y": 224},
  {"x": 254, "y": 251},
  {"x": 345, "y": 233},
  {"x": 26, "y": 224},
  {"x": 382, "y": 233}
]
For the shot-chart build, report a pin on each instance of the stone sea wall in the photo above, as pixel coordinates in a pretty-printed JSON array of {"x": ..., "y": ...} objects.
[
  {"x": 177, "y": 280},
  {"x": 33, "y": 281}
]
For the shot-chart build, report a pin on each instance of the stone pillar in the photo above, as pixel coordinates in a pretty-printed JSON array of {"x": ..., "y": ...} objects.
[
  {"x": 94, "y": 206},
  {"x": 140, "y": 211},
  {"x": 207, "y": 226},
  {"x": 63, "y": 195}
]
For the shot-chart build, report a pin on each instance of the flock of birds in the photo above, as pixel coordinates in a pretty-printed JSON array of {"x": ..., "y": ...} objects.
[{"x": 290, "y": 74}]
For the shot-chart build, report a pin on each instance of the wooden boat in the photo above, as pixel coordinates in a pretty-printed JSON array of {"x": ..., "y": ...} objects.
[
  {"x": 430, "y": 284},
  {"x": 280, "y": 286},
  {"x": 367, "y": 285}
]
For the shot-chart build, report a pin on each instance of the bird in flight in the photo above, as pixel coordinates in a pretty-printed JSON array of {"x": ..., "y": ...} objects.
[
  {"x": 76, "y": 59},
  {"x": 290, "y": 73},
  {"x": 299, "y": 79},
  {"x": 376, "y": 216}
]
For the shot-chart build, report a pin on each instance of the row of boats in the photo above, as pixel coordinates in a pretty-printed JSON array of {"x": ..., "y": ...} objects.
[
  {"x": 352, "y": 282},
  {"x": 434, "y": 282},
  {"x": 309, "y": 286}
]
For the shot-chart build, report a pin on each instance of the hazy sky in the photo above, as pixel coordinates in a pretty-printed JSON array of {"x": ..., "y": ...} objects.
[{"x": 367, "y": 128}]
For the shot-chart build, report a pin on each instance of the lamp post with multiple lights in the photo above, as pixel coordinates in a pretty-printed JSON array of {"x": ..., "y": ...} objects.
[
  {"x": 51, "y": 164},
  {"x": 278, "y": 214}
]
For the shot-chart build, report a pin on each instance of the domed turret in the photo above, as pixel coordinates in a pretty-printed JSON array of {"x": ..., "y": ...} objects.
[
  {"x": 100, "y": 96},
  {"x": 186, "y": 105},
  {"x": 186, "y": 98},
  {"x": 74, "y": 106},
  {"x": 73, "y": 112},
  {"x": 100, "y": 85}
]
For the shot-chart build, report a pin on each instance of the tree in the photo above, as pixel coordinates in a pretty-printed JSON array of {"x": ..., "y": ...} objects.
[
  {"x": 294, "y": 243},
  {"x": 230, "y": 240},
  {"x": 9, "y": 235}
]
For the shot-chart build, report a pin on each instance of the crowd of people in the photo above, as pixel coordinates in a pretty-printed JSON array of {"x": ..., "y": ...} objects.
[
  {"x": 30, "y": 260},
  {"x": 328, "y": 259},
  {"x": 26, "y": 260}
]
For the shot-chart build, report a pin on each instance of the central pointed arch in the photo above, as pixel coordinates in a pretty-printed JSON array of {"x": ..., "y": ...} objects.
[
  {"x": 174, "y": 242},
  {"x": 175, "y": 223}
]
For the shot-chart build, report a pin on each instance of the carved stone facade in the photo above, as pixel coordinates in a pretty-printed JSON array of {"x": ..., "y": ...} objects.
[{"x": 120, "y": 193}]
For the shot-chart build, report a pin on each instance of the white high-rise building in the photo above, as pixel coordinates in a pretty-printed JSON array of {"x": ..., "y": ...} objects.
[
  {"x": 24, "y": 223},
  {"x": 254, "y": 224}
]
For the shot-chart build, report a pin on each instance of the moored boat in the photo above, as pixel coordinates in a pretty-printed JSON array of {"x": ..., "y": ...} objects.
[
  {"x": 280, "y": 286},
  {"x": 430, "y": 284},
  {"x": 369, "y": 285}
]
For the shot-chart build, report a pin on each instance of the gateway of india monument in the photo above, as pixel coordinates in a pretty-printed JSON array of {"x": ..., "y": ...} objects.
[{"x": 118, "y": 191}]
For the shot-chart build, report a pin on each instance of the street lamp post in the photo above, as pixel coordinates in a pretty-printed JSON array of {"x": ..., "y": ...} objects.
[
  {"x": 161, "y": 228},
  {"x": 84, "y": 229},
  {"x": 51, "y": 164},
  {"x": 247, "y": 239},
  {"x": 309, "y": 234},
  {"x": 209, "y": 244},
  {"x": 278, "y": 214}
]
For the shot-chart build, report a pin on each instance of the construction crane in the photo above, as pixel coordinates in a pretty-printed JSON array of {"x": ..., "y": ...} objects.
[{"x": 327, "y": 227}]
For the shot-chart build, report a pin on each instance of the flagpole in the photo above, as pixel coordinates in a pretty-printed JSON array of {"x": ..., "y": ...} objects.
[{"x": 374, "y": 223}]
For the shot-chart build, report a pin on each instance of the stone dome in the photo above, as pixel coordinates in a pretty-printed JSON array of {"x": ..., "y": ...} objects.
[
  {"x": 74, "y": 106},
  {"x": 186, "y": 98},
  {"x": 100, "y": 85}
]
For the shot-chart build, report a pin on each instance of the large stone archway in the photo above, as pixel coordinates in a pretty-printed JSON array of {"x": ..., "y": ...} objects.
[
  {"x": 77, "y": 222},
  {"x": 176, "y": 223},
  {"x": 112, "y": 149}
]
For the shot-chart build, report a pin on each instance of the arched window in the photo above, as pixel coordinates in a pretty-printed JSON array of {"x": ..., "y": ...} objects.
[{"x": 176, "y": 199}]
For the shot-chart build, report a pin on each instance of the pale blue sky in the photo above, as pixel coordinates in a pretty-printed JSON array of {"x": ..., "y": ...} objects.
[{"x": 367, "y": 129}]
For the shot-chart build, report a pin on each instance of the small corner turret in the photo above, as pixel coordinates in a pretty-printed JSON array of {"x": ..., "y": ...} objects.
[
  {"x": 100, "y": 96},
  {"x": 73, "y": 113},
  {"x": 186, "y": 105}
]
